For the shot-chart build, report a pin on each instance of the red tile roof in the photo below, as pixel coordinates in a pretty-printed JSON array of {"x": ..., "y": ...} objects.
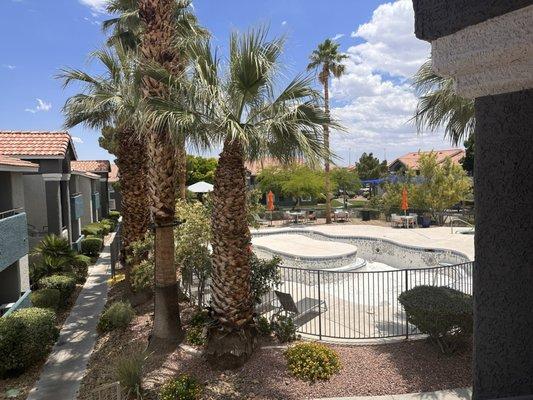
[
  {"x": 114, "y": 174},
  {"x": 7, "y": 163},
  {"x": 91, "y": 166},
  {"x": 410, "y": 160},
  {"x": 255, "y": 167},
  {"x": 35, "y": 143}
]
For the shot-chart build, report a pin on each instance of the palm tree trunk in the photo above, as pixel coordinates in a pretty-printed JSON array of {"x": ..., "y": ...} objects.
[
  {"x": 131, "y": 161},
  {"x": 157, "y": 45},
  {"x": 327, "y": 182},
  {"x": 181, "y": 155},
  {"x": 231, "y": 340}
]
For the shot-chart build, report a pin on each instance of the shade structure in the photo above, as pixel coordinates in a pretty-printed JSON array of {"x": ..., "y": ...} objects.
[
  {"x": 270, "y": 201},
  {"x": 405, "y": 204},
  {"x": 201, "y": 187}
]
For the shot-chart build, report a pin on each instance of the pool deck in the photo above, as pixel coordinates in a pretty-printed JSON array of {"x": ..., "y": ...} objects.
[{"x": 436, "y": 237}]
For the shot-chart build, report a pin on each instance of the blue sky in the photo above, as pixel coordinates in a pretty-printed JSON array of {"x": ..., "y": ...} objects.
[{"x": 373, "y": 101}]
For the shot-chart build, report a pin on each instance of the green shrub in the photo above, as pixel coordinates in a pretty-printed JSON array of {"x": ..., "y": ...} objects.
[
  {"x": 26, "y": 337},
  {"x": 46, "y": 298},
  {"x": 440, "y": 312},
  {"x": 265, "y": 276},
  {"x": 184, "y": 387},
  {"x": 93, "y": 229},
  {"x": 117, "y": 316},
  {"x": 109, "y": 222},
  {"x": 199, "y": 318},
  {"x": 114, "y": 216},
  {"x": 129, "y": 371},
  {"x": 142, "y": 276},
  {"x": 312, "y": 361},
  {"x": 64, "y": 283},
  {"x": 284, "y": 328},
  {"x": 263, "y": 326},
  {"x": 106, "y": 225},
  {"x": 91, "y": 246},
  {"x": 195, "y": 336}
]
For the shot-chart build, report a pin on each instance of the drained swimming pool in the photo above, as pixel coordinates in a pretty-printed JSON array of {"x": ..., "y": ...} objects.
[{"x": 355, "y": 281}]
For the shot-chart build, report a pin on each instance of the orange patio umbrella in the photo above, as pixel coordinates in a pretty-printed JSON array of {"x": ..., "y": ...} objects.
[
  {"x": 405, "y": 204},
  {"x": 270, "y": 201}
]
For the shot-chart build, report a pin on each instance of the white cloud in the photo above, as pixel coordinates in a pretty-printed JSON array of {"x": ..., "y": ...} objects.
[
  {"x": 97, "y": 6},
  {"x": 9, "y": 66},
  {"x": 41, "y": 106},
  {"x": 374, "y": 100},
  {"x": 284, "y": 23},
  {"x": 77, "y": 139},
  {"x": 338, "y": 36}
]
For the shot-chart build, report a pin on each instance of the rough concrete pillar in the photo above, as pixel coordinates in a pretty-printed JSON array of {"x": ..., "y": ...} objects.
[
  {"x": 53, "y": 203},
  {"x": 503, "y": 277},
  {"x": 65, "y": 205}
]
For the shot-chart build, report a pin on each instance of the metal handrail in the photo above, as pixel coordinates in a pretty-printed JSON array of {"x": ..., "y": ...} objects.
[
  {"x": 10, "y": 213},
  {"x": 461, "y": 220}
]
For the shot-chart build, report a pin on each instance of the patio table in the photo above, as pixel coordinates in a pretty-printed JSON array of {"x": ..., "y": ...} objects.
[
  {"x": 407, "y": 220},
  {"x": 296, "y": 214}
]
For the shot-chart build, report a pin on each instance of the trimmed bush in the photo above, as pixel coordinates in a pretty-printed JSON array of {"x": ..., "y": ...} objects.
[
  {"x": 142, "y": 276},
  {"x": 184, "y": 387},
  {"x": 114, "y": 216},
  {"x": 284, "y": 328},
  {"x": 117, "y": 316},
  {"x": 440, "y": 312},
  {"x": 129, "y": 370},
  {"x": 93, "y": 229},
  {"x": 26, "y": 337},
  {"x": 106, "y": 226},
  {"x": 263, "y": 326},
  {"x": 109, "y": 223},
  {"x": 312, "y": 361},
  {"x": 91, "y": 246},
  {"x": 46, "y": 298},
  {"x": 63, "y": 283}
]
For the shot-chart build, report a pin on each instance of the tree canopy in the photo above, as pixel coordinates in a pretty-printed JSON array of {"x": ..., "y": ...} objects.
[
  {"x": 370, "y": 167},
  {"x": 200, "y": 169}
]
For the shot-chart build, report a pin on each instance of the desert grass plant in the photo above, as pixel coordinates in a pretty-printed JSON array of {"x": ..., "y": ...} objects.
[
  {"x": 311, "y": 361},
  {"x": 183, "y": 387},
  {"x": 129, "y": 371},
  {"x": 117, "y": 316}
]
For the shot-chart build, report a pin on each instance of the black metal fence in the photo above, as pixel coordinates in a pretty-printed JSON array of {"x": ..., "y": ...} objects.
[{"x": 358, "y": 305}]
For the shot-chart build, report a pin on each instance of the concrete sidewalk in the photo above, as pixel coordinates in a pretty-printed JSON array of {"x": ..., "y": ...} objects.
[
  {"x": 452, "y": 394},
  {"x": 63, "y": 371}
]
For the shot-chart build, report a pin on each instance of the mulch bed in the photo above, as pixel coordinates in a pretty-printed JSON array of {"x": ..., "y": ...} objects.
[
  {"x": 405, "y": 367},
  {"x": 24, "y": 382}
]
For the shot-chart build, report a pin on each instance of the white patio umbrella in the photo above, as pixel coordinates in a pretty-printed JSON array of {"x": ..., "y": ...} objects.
[{"x": 201, "y": 187}]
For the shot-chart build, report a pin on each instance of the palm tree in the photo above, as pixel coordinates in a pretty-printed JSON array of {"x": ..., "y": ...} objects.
[
  {"x": 127, "y": 29},
  {"x": 439, "y": 105},
  {"x": 157, "y": 46},
  {"x": 327, "y": 60},
  {"x": 244, "y": 111},
  {"x": 110, "y": 102}
]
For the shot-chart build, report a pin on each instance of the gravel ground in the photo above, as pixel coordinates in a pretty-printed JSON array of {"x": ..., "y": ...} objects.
[
  {"x": 23, "y": 383},
  {"x": 405, "y": 367}
]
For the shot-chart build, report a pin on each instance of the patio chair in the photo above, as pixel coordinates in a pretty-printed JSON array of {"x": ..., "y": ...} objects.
[
  {"x": 415, "y": 220},
  {"x": 260, "y": 221},
  {"x": 396, "y": 220},
  {"x": 287, "y": 218},
  {"x": 300, "y": 308}
]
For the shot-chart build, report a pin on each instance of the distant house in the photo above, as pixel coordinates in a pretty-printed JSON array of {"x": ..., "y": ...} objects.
[
  {"x": 14, "y": 273},
  {"x": 102, "y": 168},
  {"x": 410, "y": 160},
  {"x": 115, "y": 198},
  {"x": 46, "y": 191}
]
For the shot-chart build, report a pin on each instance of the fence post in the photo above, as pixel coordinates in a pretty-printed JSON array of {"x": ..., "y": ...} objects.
[
  {"x": 319, "y": 309},
  {"x": 406, "y": 289}
]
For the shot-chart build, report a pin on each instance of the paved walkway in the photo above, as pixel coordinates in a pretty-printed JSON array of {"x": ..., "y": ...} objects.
[
  {"x": 453, "y": 394},
  {"x": 62, "y": 374}
]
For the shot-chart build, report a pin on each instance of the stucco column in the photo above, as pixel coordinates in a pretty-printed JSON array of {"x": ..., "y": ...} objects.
[
  {"x": 487, "y": 48},
  {"x": 65, "y": 205},
  {"x": 104, "y": 198},
  {"x": 53, "y": 203}
]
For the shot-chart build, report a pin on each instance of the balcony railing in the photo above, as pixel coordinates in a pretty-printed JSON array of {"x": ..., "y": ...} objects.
[
  {"x": 14, "y": 234},
  {"x": 76, "y": 205},
  {"x": 22, "y": 302}
]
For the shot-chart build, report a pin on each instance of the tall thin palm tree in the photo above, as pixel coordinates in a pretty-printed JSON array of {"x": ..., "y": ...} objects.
[
  {"x": 327, "y": 61},
  {"x": 440, "y": 106},
  {"x": 127, "y": 29},
  {"x": 157, "y": 46},
  {"x": 242, "y": 109},
  {"x": 110, "y": 102}
]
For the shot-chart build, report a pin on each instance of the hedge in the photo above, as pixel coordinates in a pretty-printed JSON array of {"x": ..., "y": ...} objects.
[
  {"x": 440, "y": 312},
  {"x": 91, "y": 246},
  {"x": 63, "y": 283},
  {"x": 46, "y": 298},
  {"x": 93, "y": 229},
  {"x": 114, "y": 215},
  {"x": 26, "y": 337}
]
